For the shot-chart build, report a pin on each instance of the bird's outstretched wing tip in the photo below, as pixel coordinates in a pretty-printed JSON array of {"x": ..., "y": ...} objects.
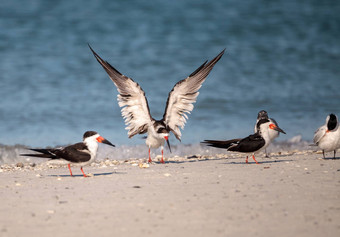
[
  {"x": 218, "y": 57},
  {"x": 197, "y": 70},
  {"x": 88, "y": 44}
]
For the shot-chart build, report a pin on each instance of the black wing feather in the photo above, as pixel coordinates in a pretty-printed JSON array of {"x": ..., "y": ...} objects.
[
  {"x": 43, "y": 153},
  {"x": 221, "y": 144},
  {"x": 75, "y": 153},
  {"x": 251, "y": 143}
]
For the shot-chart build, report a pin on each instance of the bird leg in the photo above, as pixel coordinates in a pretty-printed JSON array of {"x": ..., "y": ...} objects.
[
  {"x": 69, "y": 167},
  {"x": 149, "y": 156},
  {"x": 81, "y": 168},
  {"x": 162, "y": 160},
  {"x": 247, "y": 160},
  {"x": 255, "y": 160},
  {"x": 323, "y": 153},
  {"x": 334, "y": 153}
]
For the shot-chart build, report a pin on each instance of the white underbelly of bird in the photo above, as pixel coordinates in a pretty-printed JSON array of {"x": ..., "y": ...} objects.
[
  {"x": 153, "y": 142},
  {"x": 329, "y": 141}
]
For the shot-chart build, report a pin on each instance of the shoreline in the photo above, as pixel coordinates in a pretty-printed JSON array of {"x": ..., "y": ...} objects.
[
  {"x": 10, "y": 154},
  {"x": 291, "y": 193}
]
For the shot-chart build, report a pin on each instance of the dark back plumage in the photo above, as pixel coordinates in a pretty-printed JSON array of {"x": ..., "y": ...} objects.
[
  {"x": 76, "y": 153},
  {"x": 252, "y": 143},
  {"x": 160, "y": 127}
]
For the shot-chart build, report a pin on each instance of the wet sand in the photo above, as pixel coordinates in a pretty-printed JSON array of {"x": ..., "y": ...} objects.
[{"x": 292, "y": 194}]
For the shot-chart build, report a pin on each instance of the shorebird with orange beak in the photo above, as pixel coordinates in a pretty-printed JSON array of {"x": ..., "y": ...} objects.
[{"x": 79, "y": 154}]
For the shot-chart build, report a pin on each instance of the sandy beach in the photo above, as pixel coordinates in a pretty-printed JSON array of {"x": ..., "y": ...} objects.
[{"x": 289, "y": 194}]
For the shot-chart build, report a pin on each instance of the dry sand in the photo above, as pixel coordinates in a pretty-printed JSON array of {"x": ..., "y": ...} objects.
[{"x": 287, "y": 195}]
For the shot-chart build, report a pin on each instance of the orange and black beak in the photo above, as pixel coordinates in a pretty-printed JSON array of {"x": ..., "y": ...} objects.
[
  {"x": 167, "y": 141},
  {"x": 103, "y": 140},
  {"x": 276, "y": 128}
]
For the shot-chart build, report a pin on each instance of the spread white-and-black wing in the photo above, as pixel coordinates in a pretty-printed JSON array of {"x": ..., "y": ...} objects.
[
  {"x": 131, "y": 98},
  {"x": 183, "y": 95}
]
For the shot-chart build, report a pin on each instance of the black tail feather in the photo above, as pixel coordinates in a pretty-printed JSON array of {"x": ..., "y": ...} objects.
[
  {"x": 220, "y": 144},
  {"x": 44, "y": 153}
]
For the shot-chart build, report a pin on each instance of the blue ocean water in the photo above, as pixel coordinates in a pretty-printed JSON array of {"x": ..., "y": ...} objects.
[{"x": 282, "y": 56}]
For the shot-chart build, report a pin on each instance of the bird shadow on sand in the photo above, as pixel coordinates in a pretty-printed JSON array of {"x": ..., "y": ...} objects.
[
  {"x": 331, "y": 158},
  {"x": 80, "y": 175},
  {"x": 185, "y": 161},
  {"x": 253, "y": 163}
]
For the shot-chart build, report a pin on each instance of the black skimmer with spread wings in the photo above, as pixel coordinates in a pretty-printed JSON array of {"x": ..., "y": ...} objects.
[
  {"x": 252, "y": 144},
  {"x": 81, "y": 153},
  {"x": 271, "y": 131},
  {"x": 135, "y": 108},
  {"x": 327, "y": 137}
]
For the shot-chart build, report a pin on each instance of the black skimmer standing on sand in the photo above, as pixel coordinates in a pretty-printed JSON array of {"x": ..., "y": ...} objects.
[
  {"x": 81, "y": 153},
  {"x": 327, "y": 137},
  {"x": 135, "y": 108},
  {"x": 252, "y": 144},
  {"x": 271, "y": 131}
]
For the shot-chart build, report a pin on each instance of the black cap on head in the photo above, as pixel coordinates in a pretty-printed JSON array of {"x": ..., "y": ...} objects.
[
  {"x": 262, "y": 115},
  {"x": 89, "y": 134},
  {"x": 332, "y": 117},
  {"x": 332, "y": 122},
  {"x": 261, "y": 121},
  {"x": 161, "y": 127}
]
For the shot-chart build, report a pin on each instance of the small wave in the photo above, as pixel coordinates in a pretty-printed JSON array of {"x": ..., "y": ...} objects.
[{"x": 10, "y": 154}]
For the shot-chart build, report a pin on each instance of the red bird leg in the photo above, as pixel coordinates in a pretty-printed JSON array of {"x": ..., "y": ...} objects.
[
  {"x": 255, "y": 160},
  {"x": 247, "y": 160},
  {"x": 81, "y": 168},
  {"x": 69, "y": 167},
  {"x": 162, "y": 160},
  {"x": 149, "y": 156}
]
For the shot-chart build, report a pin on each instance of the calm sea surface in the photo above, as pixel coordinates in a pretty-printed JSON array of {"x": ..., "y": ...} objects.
[{"x": 282, "y": 56}]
